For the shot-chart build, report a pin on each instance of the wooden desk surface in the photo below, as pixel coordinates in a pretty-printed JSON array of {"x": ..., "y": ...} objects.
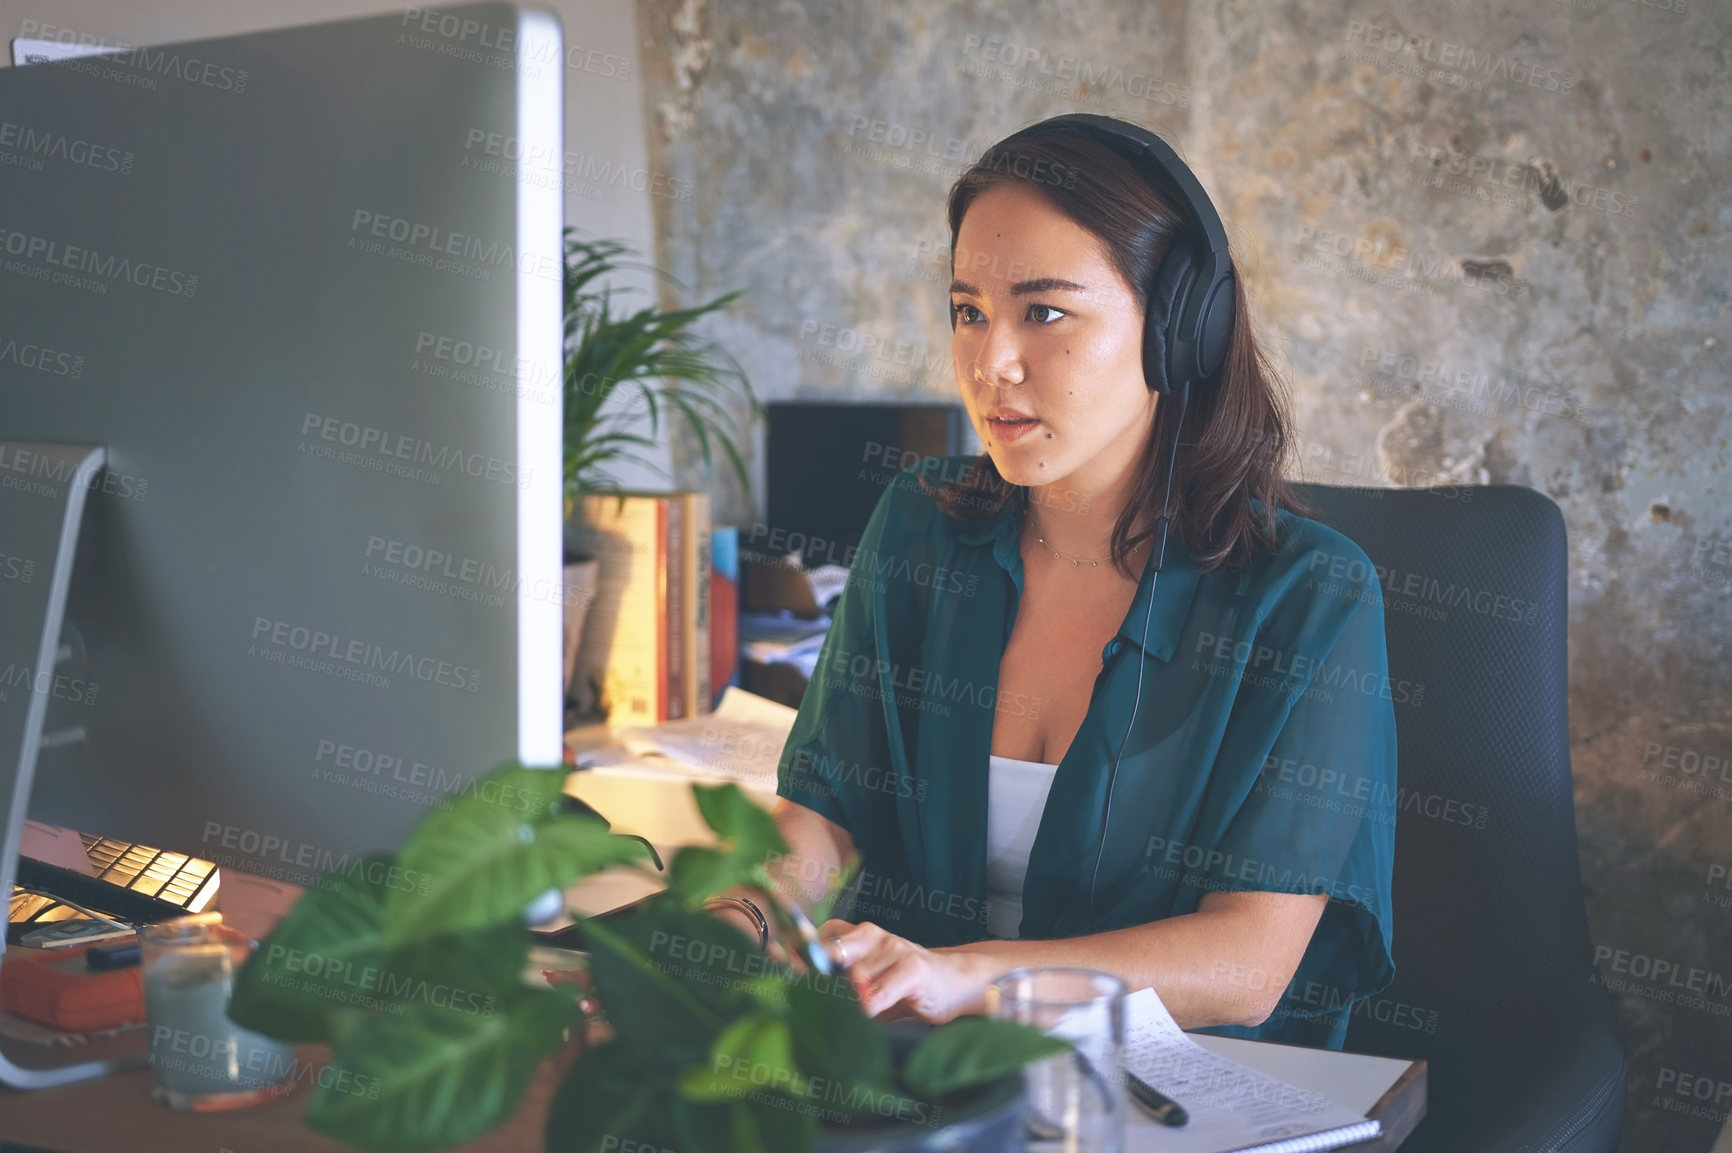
[{"x": 115, "y": 1114}]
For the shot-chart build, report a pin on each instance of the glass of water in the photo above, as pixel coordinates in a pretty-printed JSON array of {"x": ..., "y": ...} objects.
[
  {"x": 199, "y": 1058},
  {"x": 1076, "y": 1100}
]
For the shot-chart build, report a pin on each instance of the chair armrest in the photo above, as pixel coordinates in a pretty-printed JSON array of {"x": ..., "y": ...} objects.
[{"x": 1553, "y": 1079}]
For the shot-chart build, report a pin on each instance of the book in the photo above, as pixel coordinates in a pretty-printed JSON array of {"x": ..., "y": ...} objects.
[
  {"x": 650, "y": 637},
  {"x": 688, "y": 601},
  {"x": 698, "y": 600},
  {"x": 1233, "y": 1108},
  {"x": 724, "y": 609},
  {"x": 625, "y": 639},
  {"x": 677, "y": 607}
]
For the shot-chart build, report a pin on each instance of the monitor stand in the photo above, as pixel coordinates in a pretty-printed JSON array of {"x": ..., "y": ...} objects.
[{"x": 42, "y": 491}]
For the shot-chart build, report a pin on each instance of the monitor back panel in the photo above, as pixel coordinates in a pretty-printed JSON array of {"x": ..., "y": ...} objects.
[{"x": 277, "y": 276}]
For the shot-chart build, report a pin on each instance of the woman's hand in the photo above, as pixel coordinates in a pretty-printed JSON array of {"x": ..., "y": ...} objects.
[{"x": 896, "y": 978}]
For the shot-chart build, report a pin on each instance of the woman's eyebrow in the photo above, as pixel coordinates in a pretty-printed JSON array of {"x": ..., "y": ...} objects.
[{"x": 1023, "y": 287}]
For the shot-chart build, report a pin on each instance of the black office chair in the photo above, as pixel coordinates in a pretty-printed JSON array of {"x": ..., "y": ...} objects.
[{"x": 1494, "y": 968}]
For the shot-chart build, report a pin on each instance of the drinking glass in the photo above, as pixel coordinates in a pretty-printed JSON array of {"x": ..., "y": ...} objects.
[
  {"x": 200, "y": 1059},
  {"x": 1076, "y": 1100}
]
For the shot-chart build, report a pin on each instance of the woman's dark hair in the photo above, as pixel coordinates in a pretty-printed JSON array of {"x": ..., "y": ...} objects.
[{"x": 1235, "y": 436}]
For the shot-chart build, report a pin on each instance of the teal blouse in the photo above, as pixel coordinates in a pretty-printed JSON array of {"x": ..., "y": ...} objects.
[{"x": 1261, "y": 757}]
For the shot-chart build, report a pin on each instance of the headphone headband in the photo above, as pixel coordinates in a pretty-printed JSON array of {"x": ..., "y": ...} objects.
[
  {"x": 1144, "y": 145},
  {"x": 1190, "y": 302}
]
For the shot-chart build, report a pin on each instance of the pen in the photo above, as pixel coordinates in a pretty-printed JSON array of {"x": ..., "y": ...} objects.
[
  {"x": 1155, "y": 1103},
  {"x": 1162, "y": 1108}
]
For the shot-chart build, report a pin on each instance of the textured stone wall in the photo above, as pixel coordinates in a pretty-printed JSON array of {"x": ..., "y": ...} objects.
[{"x": 1487, "y": 241}]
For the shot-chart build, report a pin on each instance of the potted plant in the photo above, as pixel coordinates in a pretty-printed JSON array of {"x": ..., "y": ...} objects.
[
  {"x": 411, "y": 966},
  {"x": 655, "y": 355}
]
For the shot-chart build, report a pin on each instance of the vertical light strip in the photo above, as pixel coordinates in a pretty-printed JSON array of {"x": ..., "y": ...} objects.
[{"x": 540, "y": 426}]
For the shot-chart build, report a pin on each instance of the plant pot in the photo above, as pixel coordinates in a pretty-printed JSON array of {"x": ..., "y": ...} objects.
[{"x": 986, "y": 1119}]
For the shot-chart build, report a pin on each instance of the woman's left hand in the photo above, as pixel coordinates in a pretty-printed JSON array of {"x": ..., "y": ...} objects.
[{"x": 896, "y": 978}]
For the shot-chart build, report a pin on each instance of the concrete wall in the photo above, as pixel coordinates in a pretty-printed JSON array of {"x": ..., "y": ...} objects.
[{"x": 1488, "y": 242}]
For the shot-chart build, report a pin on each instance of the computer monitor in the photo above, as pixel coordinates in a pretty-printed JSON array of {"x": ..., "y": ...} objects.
[
  {"x": 282, "y": 312},
  {"x": 829, "y": 463}
]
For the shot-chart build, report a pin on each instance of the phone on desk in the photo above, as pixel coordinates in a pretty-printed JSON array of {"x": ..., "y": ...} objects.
[{"x": 75, "y": 931}]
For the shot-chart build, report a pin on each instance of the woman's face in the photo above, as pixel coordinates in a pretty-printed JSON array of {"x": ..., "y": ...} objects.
[{"x": 1047, "y": 329}]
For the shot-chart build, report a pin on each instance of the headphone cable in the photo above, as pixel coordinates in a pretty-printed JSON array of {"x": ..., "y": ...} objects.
[{"x": 1157, "y": 558}]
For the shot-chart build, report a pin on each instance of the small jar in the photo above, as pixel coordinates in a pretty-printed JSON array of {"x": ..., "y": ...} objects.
[{"x": 201, "y": 1060}]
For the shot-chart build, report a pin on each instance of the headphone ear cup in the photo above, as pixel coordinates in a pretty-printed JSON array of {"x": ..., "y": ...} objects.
[{"x": 1166, "y": 305}]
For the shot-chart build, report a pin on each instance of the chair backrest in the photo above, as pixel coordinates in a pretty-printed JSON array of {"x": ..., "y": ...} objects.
[{"x": 1488, "y": 891}]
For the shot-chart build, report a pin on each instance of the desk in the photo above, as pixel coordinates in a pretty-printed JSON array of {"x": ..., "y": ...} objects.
[{"x": 115, "y": 1114}]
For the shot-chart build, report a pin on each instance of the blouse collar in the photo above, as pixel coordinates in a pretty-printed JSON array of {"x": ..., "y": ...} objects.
[{"x": 1173, "y": 593}]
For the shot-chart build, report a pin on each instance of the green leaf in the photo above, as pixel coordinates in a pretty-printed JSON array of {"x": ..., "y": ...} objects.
[
  {"x": 698, "y": 871},
  {"x": 608, "y": 1098},
  {"x": 327, "y": 961},
  {"x": 971, "y": 1051},
  {"x": 431, "y": 1077},
  {"x": 656, "y": 351},
  {"x": 671, "y": 980},
  {"x": 743, "y": 1132},
  {"x": 745, "y": 825},
  {"x": 467, "y": 972},
  {"x": 299, "y": 977},
  {"x": 761, "y": 1126},
  {"x": 832, "y": 1037},
  {"x": 749, "y": 837},
  {"x": 769, "y": 990},
  {"x": 483, "y": 860},
  {"x": 706, "y": 1085},
  {"x": 701, "y": 1128},
  {"x": 753, "y": 1053},
  {"x": 757, "y": 1039}
]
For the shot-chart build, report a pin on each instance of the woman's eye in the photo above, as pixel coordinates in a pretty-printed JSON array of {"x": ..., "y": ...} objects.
[
  {"x": 1035, "y": 312},
  {"x": 965, "y": 313}
]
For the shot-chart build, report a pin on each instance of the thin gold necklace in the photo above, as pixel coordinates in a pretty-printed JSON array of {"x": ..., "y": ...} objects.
[{"x": 1076, "y": 561}]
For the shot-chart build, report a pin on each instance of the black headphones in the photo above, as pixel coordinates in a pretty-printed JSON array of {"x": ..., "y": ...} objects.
[
  {"x": 1186, "y": 330},
  {"x": 1189, "y": 321}
]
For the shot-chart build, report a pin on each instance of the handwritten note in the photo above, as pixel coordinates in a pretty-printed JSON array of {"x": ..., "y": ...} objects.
[{"x": 1231, "y": 1107}]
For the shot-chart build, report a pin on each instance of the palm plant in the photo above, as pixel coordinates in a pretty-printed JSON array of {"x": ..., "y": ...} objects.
[{"x": 649, "y": 349}]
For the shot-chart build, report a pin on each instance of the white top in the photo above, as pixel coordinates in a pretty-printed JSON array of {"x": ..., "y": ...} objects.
[{"x": 1015, "y": 798}]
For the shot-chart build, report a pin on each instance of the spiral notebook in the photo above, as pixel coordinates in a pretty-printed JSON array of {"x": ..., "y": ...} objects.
[{"x": 1233, "y": 1108}]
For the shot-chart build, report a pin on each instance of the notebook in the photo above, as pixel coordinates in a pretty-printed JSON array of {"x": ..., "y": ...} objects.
[{"x": 1233, "y": 1109}]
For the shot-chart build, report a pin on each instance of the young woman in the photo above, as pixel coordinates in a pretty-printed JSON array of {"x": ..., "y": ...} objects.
[{"x": 1042, "y": 750}]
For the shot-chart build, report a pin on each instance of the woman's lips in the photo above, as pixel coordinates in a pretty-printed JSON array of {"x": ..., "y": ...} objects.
[{"x": 1010, "y": 430}]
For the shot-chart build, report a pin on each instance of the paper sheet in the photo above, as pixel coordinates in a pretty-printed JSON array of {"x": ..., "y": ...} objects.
[
  {"x": 28, "y": 50},
  {"x": 56, "y": 846},
  {"x": 1231, "y": 1106},
  {"x": 741, "y": 740},
  {"x": 782, "y": 639}
]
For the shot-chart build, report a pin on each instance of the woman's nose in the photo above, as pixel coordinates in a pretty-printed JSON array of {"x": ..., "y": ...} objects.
[{"x": 997, "y": 360}]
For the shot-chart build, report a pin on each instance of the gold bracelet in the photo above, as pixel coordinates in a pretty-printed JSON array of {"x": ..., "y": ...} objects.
[{"x": 752, "y": 911}]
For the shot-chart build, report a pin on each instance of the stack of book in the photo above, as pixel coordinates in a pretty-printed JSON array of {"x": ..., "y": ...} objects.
[{"x": 647, "y": 640}]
